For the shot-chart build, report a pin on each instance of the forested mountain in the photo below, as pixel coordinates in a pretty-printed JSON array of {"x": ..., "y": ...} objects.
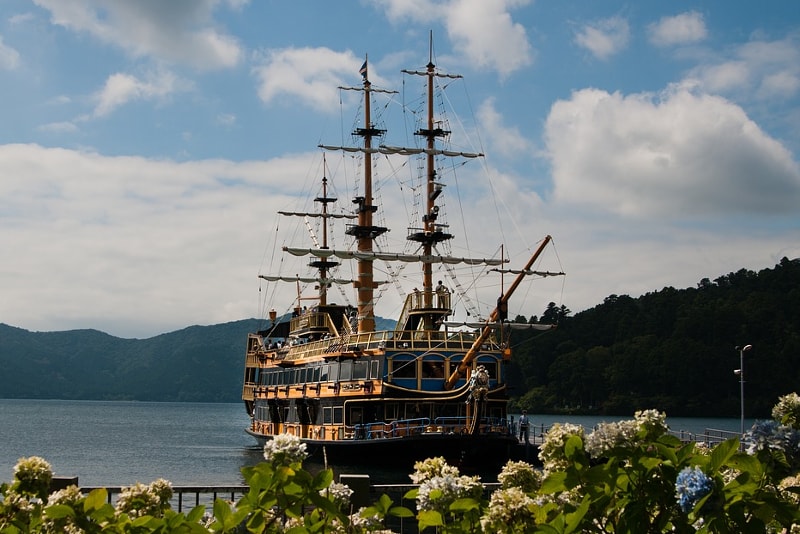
[
  {"x": 674, "y": 350},
  {"x": 198, "y": 363}
]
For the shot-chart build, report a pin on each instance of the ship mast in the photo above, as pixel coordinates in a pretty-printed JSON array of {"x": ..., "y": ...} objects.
[
  {"x": 322, "y": 264},
  {"x": 431, "y": 233},
  {"x": 365, "y": 232}
]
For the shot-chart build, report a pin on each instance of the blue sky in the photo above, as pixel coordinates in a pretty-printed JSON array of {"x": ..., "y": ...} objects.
[{"x": 144, "y": 145}]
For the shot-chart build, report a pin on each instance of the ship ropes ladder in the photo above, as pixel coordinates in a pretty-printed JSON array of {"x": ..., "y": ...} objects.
[{"x": 478, "y": 391}]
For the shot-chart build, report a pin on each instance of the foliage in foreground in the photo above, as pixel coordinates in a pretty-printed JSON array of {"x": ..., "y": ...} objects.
[{"x": 627, "y": 476}]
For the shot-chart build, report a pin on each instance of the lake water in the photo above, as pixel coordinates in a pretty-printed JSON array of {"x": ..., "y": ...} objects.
[{"x": 120, "y": 443}]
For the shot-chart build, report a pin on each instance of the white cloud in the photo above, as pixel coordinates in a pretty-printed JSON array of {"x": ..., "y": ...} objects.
[
  {"x": 755, "y": 70},
  {"x": 59, "y": 127},
  {"x": 782, "y": 84},
  {"x": 487, "y": 35},
  {"x": 484, "y": 33},
  {"x": 226, "y": 119},
  {"x": 679, "y": 155},
  {"x": 505, "y": 141},
  {"x": 604, "y": 38},
  {"x": 129, "y": 245},
  {"x": 174, "y": 31},
  {"x": 121, "y": 88},
  {"x": 9, "y": 58},
  {"x": 677, "y": 30},
  {"x": 311, "y": 74}
]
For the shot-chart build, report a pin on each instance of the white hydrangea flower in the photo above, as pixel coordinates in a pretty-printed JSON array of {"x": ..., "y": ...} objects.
[
  {"x": 521, "y": 475},
  {"x": 33, "y": 476},
  {"x": 551, "y": 452},
  {"x": 451, "y": 487},
  {"x": 653, "y": 422},
  {"x": 510, "y": 510},
  {"x": 70, "y": 496},
  {"x": 607, "y": 436},
  {"x": 787, "y": 410},
  {"x": 137, "y": 501},
  {"x": 338, "y": 493},
  {"x": 430, "y": 468},
  {"x": 366, "y": 522},
  {"x": 285, "y": 449}
]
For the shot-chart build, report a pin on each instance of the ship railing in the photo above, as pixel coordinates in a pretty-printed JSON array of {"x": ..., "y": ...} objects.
[
  {"x": 423, "y": 425},
  {"x": 424, "y": 340}
]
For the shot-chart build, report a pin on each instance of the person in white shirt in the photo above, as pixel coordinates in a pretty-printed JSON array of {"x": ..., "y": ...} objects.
[{"x": 523, "y": 426}]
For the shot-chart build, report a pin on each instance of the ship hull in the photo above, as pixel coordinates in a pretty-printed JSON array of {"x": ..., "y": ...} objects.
[{"x": 462, "y": 450}]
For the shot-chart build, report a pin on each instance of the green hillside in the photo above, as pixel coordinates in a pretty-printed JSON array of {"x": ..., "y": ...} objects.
[
  {"x": 198, "y": 363},
  {"x": 672, "y": 349}
]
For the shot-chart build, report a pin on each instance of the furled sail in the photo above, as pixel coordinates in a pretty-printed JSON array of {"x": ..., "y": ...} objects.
[
  {"x": 383, "y": 149},
  {"x": 389, "y": 256},
  {"x": 310, "y": 280},
  {"x": 528, "y": 272},
  {"x": 328, "y": 215},
  {"x": 513, "y": 326}
]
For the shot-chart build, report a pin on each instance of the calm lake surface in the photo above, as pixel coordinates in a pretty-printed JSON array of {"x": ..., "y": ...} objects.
[{"x": 120, "y": 443}]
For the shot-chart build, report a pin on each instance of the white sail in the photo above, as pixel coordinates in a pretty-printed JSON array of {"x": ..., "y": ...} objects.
[
  {"x": 319, "y": 215},
  {"x": 404, "y": 151},
  {"x": 310, "y": 280},
  {"x": 529, "y": 272},
  {"x": 389, "y": 256},
  {"x": 513, "y": 326}
]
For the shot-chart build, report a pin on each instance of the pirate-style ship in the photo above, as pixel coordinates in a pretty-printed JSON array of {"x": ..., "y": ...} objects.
[{"x": 424, "y": 387}]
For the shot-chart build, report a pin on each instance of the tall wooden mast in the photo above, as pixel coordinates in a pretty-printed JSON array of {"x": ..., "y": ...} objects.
[{"x": 365, "y": 232}]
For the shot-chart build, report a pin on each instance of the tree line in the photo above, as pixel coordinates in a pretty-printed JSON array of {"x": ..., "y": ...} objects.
[{"x": 674, "y": 350}]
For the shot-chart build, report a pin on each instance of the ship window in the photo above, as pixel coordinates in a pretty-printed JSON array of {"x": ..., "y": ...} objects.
[
  {"x": 327, "y": 415},
  {"x": 356, "y": 416},
  {"x": 275, "y": 413},
  {"x": 433, "y": 368},
  {"x": 334, "y": 374},
  {"x": 404, "y": 368},
  {"x": 391, "y": 411},
  {"x": 338, "y": 411},
  {"x": 316, "y": 374},
  {"x": 360, "y": 370},
  {"x": 345, "y": 370},
  {"x": 375, "y": 366}
]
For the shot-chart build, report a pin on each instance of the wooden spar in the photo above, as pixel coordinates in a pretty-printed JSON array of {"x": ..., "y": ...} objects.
[{"x": 487, "y": 330}]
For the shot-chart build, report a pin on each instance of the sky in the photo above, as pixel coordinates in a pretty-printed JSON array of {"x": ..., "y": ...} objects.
[{"x": 144, "y": 146}]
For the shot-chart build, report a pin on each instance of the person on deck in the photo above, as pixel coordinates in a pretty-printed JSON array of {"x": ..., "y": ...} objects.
[{"x": 523, "y": 426}]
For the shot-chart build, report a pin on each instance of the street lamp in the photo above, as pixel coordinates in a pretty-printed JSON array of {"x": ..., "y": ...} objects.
[{"x": 740, "y": 372}]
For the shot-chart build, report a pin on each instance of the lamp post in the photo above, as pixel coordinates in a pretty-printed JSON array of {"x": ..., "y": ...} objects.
[{"x": 740, "y": 372}]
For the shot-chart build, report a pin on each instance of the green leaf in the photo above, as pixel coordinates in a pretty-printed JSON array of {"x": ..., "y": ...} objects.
[
  {"x": 429, "y": 518},
  {"x": 95, "y": 500},
  {"x": 196, "y": 514},
  {"x": 553, "y": 483},
  {"x": 400, "y": 511},
  {"x": 574, "y": 519},
  {"x": 59, "y": 511},
  {"x": 464, "y": 505},
  {"x": 723, "y": 452}
]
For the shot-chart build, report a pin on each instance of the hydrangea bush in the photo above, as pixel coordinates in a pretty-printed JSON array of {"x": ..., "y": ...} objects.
[{"x": 627, "y": 476}]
